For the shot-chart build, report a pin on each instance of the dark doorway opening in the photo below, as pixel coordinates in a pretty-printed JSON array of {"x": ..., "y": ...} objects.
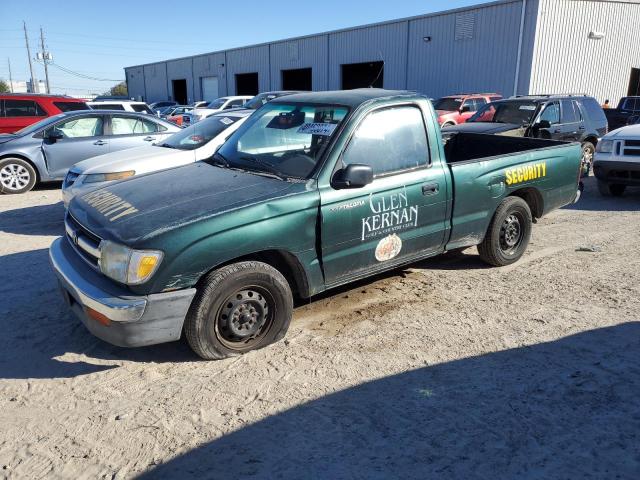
[
  {"x": 634, "y": 83},
  {"x": 179, "y": 91},
  {"x": 297, "y": 79},
  {"x": 362, "y": 75},
  {"x": 247, "y": 84}
]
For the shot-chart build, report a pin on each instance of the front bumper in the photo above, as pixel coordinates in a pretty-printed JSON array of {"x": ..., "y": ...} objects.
[
  {"x": 617, "y": 172},
  {"x": 132, "y": 321}
]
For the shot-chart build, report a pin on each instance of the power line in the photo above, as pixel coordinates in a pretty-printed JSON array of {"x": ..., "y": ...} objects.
[{"x": 82, "y": 75}]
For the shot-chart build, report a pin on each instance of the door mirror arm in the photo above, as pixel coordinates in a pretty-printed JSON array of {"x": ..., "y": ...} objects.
[{"x": 355, "y": 175}]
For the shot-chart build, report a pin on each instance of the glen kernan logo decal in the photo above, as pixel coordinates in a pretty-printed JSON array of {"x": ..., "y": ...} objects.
[
  {"x": 390, "y": 213},
  {"x": 388, "y": 248},
  {"x": 109, "y": 204}
]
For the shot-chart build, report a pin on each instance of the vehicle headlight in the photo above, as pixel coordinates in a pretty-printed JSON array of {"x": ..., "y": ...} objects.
[
  {"x": 605, "y": 146},
  {"x": 126, "y": 265},
  {"x": 108, "y": 177}
]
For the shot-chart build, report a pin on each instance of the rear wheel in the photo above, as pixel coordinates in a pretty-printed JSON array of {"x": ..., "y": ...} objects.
[
  {"x": 16, "y": 175},
  {"x": 241, "y": 307},
  {"x": 588, "y": 150},
  {"x": 508, "y": 235}
]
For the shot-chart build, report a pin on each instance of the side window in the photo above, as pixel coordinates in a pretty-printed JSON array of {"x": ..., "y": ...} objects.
[
  {"x": 23, "y": 108},
  {"x": 568, "y": 112},
  {"x": 480, "y": 102},
  {"x": 107, "y": 106},
  {"x": 80, "y": 127},
  {"x": 389, "y": 140},
  {"x": 131, "y": 126},
  {"x": 576, "y": 108},
  {"x": 551, "y": 113}
]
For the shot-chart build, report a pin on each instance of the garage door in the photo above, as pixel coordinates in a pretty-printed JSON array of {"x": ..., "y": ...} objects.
[{"x": 209, "y": 88}]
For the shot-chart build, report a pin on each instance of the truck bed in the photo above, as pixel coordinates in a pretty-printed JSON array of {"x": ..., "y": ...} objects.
[{"x": 487, "y": 168}]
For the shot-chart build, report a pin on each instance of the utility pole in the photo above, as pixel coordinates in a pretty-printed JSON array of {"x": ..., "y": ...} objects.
[
  {"x": 45, "y": 60},
  {"x": 10, "y": 77},
  {"x": 34, "y": 87}
]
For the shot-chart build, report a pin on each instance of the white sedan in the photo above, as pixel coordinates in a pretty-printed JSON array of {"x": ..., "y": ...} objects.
[
  {"x": 197, "y": 142},
  {"x": 218, "y": 105}
]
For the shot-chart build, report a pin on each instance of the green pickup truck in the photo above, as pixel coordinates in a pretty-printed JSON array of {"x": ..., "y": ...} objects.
[{"x": 314, "y": 191}]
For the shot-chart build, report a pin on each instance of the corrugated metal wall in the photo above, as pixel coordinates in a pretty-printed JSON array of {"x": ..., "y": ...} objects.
[
  {"x": 248, "y": 60},
  {"x": 211, "y": 65},
  {"x": 582, "y": 65},
  {"x": 311, "y": 52},
  {"x": 135, "y": 81},
  {"x": 155, "y": 83}
]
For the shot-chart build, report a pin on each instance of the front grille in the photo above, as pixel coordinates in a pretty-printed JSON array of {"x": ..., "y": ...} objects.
[
  {"x": 631, "y": 148},
  {"x": 70, "y": 178},
  {"x": 85, "y": 242}
]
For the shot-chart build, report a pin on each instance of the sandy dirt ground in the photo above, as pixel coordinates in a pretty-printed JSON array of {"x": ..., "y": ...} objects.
[{"x": 445, "y": 369}]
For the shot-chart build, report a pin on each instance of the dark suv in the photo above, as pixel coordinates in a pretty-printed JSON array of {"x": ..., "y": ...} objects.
[{"x": 571, "y": 118}]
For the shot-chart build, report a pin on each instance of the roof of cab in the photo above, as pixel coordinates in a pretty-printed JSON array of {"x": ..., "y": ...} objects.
[{"x": 350, "y": 98}]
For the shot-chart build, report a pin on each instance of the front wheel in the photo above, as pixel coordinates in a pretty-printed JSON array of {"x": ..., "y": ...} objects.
[
  {"x": 16, "y": 175},
  {"x": 588, "y": 150},
  {"x": 241, "y": 307},
  {"x": 508, "y": 234}
]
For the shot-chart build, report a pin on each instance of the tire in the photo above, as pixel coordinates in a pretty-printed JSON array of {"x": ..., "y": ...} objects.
[
  {"x": 448, "y": 124},
  {"x": 241, "y": 307},
  {"x": 509, "y": 233},
  {"x": 16, "y": 176},
  {"x": 588, "y": 150},
  {"x": 607, "y": 189}
]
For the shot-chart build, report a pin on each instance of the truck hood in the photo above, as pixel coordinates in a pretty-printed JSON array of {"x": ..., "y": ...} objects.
[
  {"x": 137, "y": 159},
  {"x": 485, "y": 127},
  {"x": 631, "y": 132},
  {"x": 148, "y": 205}
]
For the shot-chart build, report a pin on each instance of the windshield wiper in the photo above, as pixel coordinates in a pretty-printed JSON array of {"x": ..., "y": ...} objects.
[
  {"x": 165, "y": 145},
  {"x": 272, "y": 171},
  {"x": 220, "y": 161}
]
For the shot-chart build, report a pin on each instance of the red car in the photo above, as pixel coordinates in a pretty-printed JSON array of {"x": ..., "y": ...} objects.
[
  {"x": 456, "y": 109},
  {"x": 19, "y": 110}
]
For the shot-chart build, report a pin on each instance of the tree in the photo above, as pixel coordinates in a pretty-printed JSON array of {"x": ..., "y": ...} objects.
[
  {"x": 4, "y": 86},
  {"x": 119, "y": 90}
]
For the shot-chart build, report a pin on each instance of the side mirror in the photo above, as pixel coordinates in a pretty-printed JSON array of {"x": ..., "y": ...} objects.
[
  {"x": 355, "y": 175},
  {"x": 543, "y": 124},
  {"x": 465, "y": 108},
  {"x": 53, "y": 136}
]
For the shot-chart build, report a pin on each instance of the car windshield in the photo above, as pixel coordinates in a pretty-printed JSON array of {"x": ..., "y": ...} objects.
[
  {"x": 200, "y": 133},
  {"x": 259, "y": 100},
  {"x": 216, "y": 103},
  {"x": 283, "y": 140},
  {"x": 447, "y": 103},
  {"x": 34, "y": 127},
  {"x": 517, "y": 112}
]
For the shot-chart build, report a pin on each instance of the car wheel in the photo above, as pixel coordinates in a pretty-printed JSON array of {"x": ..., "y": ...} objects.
[
  {"x": 448, "y": 124},
  {"x": 588, "y": 150},
  {"x": 240, "y": 307},
  {"x": 617, "y": 190},
  {"x": 16, "y": 175},
  {"x": 508, "y": 234}
]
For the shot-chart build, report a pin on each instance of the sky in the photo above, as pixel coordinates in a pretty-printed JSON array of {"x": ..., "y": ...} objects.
[{"x": 98, "y": 39}]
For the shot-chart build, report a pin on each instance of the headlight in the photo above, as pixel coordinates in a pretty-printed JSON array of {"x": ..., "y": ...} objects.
[
  {"x": 604, "y": 146},
  {"x": 108, "y": 177},
  {"x": 126, "y": 265}
]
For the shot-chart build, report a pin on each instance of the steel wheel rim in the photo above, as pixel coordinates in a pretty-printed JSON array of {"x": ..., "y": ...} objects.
[
  {"x": 14, "y": 176},
  {"x": 511, "y": 234},
  {"x": 244, "y": 318},
  {"x": 587, "y": 155}
]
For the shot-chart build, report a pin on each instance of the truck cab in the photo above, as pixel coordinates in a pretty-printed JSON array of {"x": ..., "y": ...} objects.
[{"x": 313, "y": 191}]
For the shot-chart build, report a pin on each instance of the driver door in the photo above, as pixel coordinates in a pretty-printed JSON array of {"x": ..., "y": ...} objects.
[
  {"x": 400, "y": 215},
  {"x": 80, "y": 138}
]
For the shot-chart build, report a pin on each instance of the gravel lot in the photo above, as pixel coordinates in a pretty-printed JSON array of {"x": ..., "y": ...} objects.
[{"x": 446, "y": 369}]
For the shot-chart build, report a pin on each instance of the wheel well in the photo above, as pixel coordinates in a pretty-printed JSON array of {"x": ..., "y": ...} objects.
[
  {"x": 592, "y": 140},
  {"x": 533, "y": 198},
  {"x": 22, "y": 157},
  {"x": 283, "y": 261}
]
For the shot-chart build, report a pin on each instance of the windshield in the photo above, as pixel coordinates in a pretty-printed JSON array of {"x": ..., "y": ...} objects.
[
  {"x": 506, "y": 112},
  {"x": 200, "y": 133},
  {"x": 259, "y": 100},
  {"x": 283, "y": 140},
  {"x": 447, "y": 103},
  {"x": 216, "y": 103},
  {"x": 34, "y": 127}
]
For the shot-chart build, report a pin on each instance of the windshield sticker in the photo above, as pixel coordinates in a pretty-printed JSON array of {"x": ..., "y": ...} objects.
[
  {"x": 226, "y": 121},
  {"x": 110, "y": 205},
  {"x": 388, "y": 248},
  {"x": 390, "y": 213},
  {"x": 526, "y": 173},
  {"x": 325, "y": 129},
  {"x": 527, "y": 107}
]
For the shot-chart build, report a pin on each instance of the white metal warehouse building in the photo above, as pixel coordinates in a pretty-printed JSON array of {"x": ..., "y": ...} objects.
[{"x": 508, "y": 46}]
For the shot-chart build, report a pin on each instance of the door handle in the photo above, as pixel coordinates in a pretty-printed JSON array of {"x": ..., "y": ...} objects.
[
  {"x": 149, "y": 139},
  {"x": 581, "y": 128},
  {"x": 100, "y": 142},
  {"x": 430, "y": 188}
]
